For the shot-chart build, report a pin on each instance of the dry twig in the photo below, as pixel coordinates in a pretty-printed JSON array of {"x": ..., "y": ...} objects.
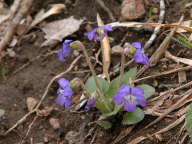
[
  {"x": 29, "y": 129},
  {"x": 157, "y": 29},
  {"x": 24, "y": 9},
  {"x": 173, "y": 107},
  {"x": 43, "y": 96}
]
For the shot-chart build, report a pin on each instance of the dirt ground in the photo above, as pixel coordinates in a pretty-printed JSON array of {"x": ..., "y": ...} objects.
[{"x": 33, "y": 79}]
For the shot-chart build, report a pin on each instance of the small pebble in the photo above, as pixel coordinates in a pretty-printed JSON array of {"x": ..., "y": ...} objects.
[
  {"x": 31, "y": 103},
  {"x": 11, "y": 52},
  {"x": 155, "y": 10},
  {"x": 46, "y": 139},
  {"x": 54, "y": 122}
]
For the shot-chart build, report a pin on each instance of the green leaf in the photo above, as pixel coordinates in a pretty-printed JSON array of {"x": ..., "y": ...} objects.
[
  {"x": 131, "y": 74},
  {"x": 104, "y": 124},
  {"x": 114, "y": 85},
  {"x": 91, "y": 86},
  {"x": 183, "y": 41},
  {"x": 188, "y": 119},
  {"x": 2, "y": 112},
  {"x": 133, "y": 117},
  {"x": 148, "y": 90}
]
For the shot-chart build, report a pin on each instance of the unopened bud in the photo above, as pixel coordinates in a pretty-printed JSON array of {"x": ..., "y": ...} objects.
[
  {"x": 129, "y": 49},
  {"x": 73, "y": 45},
  {"x": 77, "y": 45},
  {"x": 75, "y": 83}
]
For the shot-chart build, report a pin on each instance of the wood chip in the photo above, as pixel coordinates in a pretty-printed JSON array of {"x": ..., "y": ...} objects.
[
  {"x": 182, "y": 76},
  {"x": 54, "y": 122},
  {"x": 31, "y": 103}
]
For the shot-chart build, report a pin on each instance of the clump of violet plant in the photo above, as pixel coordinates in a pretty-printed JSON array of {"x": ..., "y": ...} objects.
[{"x": 119, "y": 95}]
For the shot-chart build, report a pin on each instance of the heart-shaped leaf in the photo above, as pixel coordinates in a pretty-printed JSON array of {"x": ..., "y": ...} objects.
[
  {"x": 148, "y": 90},
  {"x": 188, "y": 119},
  {"x": 133, "y": 117},
  {"x": 130, "y": 75},
  {"x": 91, "y": 86},
  {"x": 115, "y": 84},
  {"x": 104, "y": 124}
]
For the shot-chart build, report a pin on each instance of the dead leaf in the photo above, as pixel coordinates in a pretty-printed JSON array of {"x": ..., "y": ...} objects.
[
  {"x": 132, "y": 9},
  {"x": 31, "y": 103},
  {"x": 41, "y": 15},
  {"x": 57, "y": 30},
  {"x": 54, "y": 122}
]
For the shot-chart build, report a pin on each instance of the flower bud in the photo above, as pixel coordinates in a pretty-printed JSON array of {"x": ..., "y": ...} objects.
[
  {"x": 75, "y": 83},
  {"x": 128, "y": 49},
  {"x": 77, "y": 45},
  {"x": 73, "y": 45}
]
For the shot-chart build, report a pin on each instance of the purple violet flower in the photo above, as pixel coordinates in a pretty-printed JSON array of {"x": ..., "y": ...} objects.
[
  {"x": 129, "y": 97},
  {"x": 64, "y": 93},
  {"x": 90, "y": 104},
  {"x": 65, "y": 50},
  {"x": 92, "y": 35},
  {"x": 139, "y": 56}
]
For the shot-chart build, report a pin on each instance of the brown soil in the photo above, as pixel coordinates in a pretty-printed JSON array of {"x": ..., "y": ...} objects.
[{"x": 32, "y": 80}]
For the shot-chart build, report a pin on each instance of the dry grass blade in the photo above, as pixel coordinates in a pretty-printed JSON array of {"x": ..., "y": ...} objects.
[
  {"x": 161, "y": 50},
  {"x": 164, "y": 73},
  {"x": 138, "y": 24},
  {"x": 173, "y": 107},
  {"x": 178, "y": 59},
  {"x": 106, "y": 50},
  {"x": 169, "y": 25},
  {"x": 183, "y": 138},
  {"x": 172, "y": 91},
  {"x": 137, "y": 140},
  {"x": 172, "y": 125}
]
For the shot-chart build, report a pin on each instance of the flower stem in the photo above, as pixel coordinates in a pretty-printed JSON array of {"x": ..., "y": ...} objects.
[
  {"x": 122, "y": 68},
  {"x": 82, "y": 47}
]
